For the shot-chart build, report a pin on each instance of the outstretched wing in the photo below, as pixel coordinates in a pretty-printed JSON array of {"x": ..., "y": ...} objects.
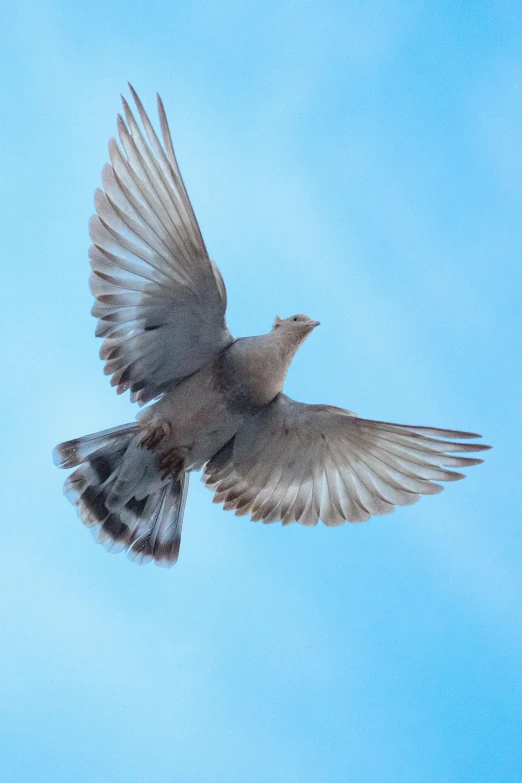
[
  {"x": 302, "y": 463},
  {"x": 160, "y": 300}
]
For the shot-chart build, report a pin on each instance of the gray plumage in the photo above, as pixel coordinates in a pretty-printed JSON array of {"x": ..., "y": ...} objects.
[{"x": 218, "y": 402}]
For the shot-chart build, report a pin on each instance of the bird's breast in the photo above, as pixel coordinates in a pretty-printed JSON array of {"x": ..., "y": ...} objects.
[{"x": 249, "y": 374}]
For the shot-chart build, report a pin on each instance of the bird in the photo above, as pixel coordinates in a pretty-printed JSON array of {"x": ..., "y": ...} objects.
[{"x": 210, "y": 401}]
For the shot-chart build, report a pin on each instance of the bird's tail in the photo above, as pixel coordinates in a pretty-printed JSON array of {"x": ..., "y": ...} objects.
[{"x": 120, "y": 493}]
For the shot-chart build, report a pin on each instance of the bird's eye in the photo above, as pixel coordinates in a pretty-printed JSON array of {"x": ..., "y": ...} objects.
[{"x": 294, "y": 318}]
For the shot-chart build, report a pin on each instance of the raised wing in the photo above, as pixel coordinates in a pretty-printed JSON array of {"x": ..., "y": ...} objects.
[
  {"x": 302, "y": 463},
  {"x": 160, "y": 300}
]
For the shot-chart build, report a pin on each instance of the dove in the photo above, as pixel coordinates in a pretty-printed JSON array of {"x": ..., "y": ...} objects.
[{"x": 212, "y": 401}]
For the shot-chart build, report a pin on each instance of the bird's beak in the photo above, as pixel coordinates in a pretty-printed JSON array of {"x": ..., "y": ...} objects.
[{"x": 313, "y": 324}]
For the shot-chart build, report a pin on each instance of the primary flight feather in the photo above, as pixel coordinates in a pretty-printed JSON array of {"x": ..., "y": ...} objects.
[{"x": 218, "y": 401}]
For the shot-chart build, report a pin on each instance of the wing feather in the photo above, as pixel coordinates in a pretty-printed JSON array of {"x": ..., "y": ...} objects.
[
  {"x": 160, "y": 299},
  {"x": 304, "y": 463}
]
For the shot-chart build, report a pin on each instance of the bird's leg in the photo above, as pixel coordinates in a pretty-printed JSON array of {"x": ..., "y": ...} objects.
[
  {"x": 170, "y": 458},
  {"x": 171, "y": 463},
  {"x": 153, "y": 436}
]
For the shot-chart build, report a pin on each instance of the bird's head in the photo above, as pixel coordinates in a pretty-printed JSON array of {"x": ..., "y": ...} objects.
[
  {"x": 297, "y": 323},
  {"x": 297, "y": 327}
]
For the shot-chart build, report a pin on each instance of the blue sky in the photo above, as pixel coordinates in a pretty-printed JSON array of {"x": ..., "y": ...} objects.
[{"x": 361, "y": 163}]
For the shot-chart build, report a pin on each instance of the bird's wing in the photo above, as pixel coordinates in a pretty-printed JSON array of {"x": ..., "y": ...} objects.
[
  {"x": 160, "y": 299},
  {"x": 302, "y": 463}
]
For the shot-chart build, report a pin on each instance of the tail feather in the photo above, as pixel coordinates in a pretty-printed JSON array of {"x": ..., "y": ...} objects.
[
  {"x": 161, "y": 538},
  {"x": 74, "y": 452},
  {"x": 120, "y": 494}
]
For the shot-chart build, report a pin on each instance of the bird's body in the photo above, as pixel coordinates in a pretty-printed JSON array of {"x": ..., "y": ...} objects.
[
  {"x": 201, "y": 414},
  {"x": 217, "y": 402}
]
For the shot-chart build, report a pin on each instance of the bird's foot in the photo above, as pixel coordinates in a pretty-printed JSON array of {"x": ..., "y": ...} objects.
[
  {"x": 153, "y": 436},
  {"x": 171, "y": 463}
]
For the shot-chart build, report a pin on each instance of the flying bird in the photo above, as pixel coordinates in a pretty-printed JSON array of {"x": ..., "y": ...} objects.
[{"x": 217, "y": 402}]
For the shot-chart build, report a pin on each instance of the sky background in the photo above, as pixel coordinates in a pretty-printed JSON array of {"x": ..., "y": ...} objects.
[{"x": 357, "y": 161}]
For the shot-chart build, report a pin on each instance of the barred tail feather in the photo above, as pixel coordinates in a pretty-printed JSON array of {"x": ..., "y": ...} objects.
[{"x": 120, "y": 494}]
